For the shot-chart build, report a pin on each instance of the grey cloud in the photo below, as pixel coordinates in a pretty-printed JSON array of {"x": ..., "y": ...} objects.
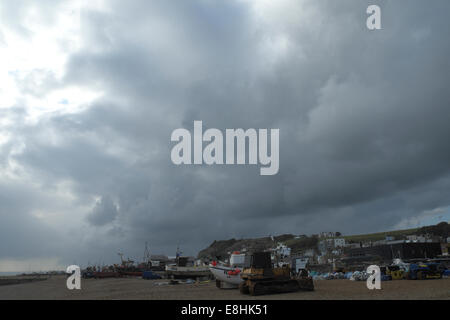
[
  {"x": 363, "y": 118},
  {"x": 104, "y": 212},
  {"x": 23, "y": 233}
]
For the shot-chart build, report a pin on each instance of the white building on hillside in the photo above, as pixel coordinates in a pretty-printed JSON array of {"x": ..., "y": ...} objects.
[
  {"x": 339, "y": 242},
  {"x": 282, "y": 250}
]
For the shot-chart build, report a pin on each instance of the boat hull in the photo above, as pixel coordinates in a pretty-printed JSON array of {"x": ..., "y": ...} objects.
[
  {"x": 187, "y": 272},
  {"x": 221, "y": 274}
]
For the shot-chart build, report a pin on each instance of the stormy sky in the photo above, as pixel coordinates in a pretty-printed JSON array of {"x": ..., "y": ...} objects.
[{"x": 90, "y": 92}]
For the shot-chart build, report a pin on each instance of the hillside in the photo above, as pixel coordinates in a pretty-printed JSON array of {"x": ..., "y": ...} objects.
[
  {"x": 221, "y": 249},
  {"x": 380, "y": 235},
  {"x": 442, "y": 230}
]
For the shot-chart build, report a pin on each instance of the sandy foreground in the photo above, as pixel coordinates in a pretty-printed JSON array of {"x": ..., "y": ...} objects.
[{"x": 136, "y": 288}]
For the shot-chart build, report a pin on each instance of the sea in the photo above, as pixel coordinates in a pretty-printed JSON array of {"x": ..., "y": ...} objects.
[{"x": 2, "y": 274}]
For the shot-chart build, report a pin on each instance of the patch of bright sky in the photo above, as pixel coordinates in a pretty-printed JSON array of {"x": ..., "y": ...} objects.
[
  {"x": 275, "y": 22},
  {"x": 426, "y": 218},
  {"x": 442, "y": 215},
  {"x": 30, "y": 265},
  {"x": 44, "y": 50}
]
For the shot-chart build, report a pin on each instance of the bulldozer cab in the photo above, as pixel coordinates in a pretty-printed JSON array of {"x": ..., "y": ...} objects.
[{"x": 262, "y": 261}]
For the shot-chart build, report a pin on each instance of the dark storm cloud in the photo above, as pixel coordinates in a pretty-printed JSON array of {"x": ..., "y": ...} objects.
[{"x": 363, "y": 120}]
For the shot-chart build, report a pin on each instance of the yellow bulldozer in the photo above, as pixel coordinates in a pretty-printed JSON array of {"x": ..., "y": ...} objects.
[
  {"x": 262, "y": 278},
  {"x": 395, "y": 272}
]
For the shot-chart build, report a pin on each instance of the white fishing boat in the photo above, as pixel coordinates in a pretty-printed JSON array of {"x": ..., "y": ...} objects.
[{"x": 228, "y": 276}]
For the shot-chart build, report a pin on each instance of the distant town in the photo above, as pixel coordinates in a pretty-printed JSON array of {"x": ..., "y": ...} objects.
[{"x": 333, "y": 249}]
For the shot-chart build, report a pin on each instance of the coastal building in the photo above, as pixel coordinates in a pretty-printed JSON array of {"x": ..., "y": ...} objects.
[
  {"x": 330, "y": 244},
  {"x": 339, "y": 242},
  {"x": 283, "y": 250},
  {"x": 399, "y": 249},
  {"x": 416, "y": 238},
  {"x": 327, "y": 234},
  {"x": 353, "y": 245}
]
